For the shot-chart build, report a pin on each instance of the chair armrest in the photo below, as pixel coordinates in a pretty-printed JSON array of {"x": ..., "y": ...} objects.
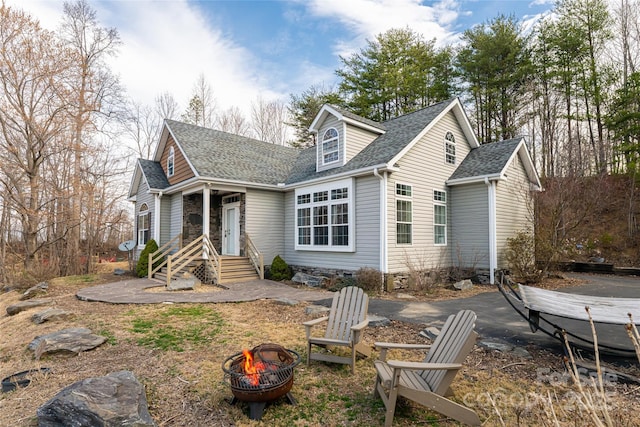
[
  {"x": 356, "y": 330},
  {"x": 314, "y": 322},
  {"x": 423, "y": 366},
  {"x": 394, "y": 345},
  {"x": 360, "y": 326},
  {"x": 384, "y": 346},
  {"x": 311, "y": 323}
]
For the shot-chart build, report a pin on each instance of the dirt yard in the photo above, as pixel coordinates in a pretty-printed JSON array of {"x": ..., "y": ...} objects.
[{"x": 185, "y": 384}]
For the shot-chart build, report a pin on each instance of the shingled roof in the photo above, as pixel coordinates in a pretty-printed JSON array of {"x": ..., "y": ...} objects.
[
  {"x": 153, "y": 173},
  {"x": 222, "y": 155},
  {"x": 486, "y": 160},
  {"x": 400, "y": 131}
]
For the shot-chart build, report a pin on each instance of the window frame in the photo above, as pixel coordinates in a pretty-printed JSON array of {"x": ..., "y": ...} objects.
[
  {"x": 450, "y": 148},
  {"x": 320, "y": 215},
  {"x": 171, "y": 162},
  {"x": 143, "y": 214},
  {"x": 325, "y": 141},
  {"x": 404, "y": 196},
  {"x": 439, "y": 198}
]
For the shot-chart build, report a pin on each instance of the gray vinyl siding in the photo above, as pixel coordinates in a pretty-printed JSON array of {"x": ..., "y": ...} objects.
[
  {"x": 356, "y": 140},
  {"x": 265, "y": 222},
  {"x": 425, "y": 169},
  {"x": 470, "y": 225},
  {"x": 514, "y": 207},
  {"x": 367, "y": 233},
  {"x": 142, "y": 196},
  {"x": 176, "y": 215},
  {"x": 165, "y": 220},
  {"x": 330, "y": 122}
]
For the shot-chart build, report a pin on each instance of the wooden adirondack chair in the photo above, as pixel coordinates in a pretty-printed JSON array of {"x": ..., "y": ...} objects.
[
  {"x": 428, "y": 382},
  {"x": 346, "y": 320}
]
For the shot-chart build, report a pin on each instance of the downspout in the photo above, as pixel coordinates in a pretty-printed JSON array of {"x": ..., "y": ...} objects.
[
  {"x": 156, "y": 225},
  {"x": 493, "y": 248},
  {"x": 383, "y": 220}
]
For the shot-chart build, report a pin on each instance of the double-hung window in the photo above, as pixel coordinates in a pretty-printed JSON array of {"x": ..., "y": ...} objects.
[
  {"x": 171, "y": 162},
  {"x": 324, "y": 217},
  {"x": 404, "y": 214},
  {"x": 450, "y": 148},
  {"x": 330, "y": 146},
  {"x": 143, "y": 225},
  {"x": 439, "y": 217}
]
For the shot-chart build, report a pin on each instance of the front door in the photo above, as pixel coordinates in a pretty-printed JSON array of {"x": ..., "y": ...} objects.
[{"x": 231, "y": 229}]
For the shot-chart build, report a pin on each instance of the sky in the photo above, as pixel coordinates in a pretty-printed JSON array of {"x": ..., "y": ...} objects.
[{"x": 270, "y": 49}]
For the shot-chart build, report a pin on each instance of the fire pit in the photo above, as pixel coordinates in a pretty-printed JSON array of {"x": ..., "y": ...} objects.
[{"x": 261, "y": 375}]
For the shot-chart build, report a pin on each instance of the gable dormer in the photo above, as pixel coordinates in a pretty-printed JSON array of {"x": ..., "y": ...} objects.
[{"x": 341, "y": 135}]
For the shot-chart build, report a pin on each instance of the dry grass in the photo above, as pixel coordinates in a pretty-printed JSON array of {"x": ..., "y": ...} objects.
[{"x": 187, "y": 388}]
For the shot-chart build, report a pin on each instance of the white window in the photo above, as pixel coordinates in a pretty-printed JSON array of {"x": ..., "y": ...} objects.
[
  {"x": 324, "y": 217},
  {"x": 330, "y": 146},
  {"x": 404, "y": 214},
  {"x": 439, "y": 217},
  {"x": 170, "y": 162},
  {"x": 143, "y": 224},
  {"x": 450, "y": 148}
]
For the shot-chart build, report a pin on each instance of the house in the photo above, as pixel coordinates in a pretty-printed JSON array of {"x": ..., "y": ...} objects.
[{"x": 416, "y": 191}]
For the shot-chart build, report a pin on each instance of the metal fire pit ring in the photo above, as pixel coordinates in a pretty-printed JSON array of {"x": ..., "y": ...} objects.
[{"x": 273, "y": 383}]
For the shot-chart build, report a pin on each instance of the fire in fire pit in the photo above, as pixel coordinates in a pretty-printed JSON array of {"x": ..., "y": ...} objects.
[{"x": 261, "y": 375}]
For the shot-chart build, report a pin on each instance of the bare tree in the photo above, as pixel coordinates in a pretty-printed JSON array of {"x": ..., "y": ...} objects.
[
  {"x": 233, "y": 121},
  {"x": 142, "y": 125},
  {"x": 166, "y": 106},
  {"x": 269, "y": 120},
  {"x": 33, "y": 111},
  {"x": 202, "y": 105},
  {"x": 95, "y": 91}
]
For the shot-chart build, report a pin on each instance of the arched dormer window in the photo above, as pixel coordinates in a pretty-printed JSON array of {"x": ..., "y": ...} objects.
[
  {"x": 144, "y": 221},
  {"x": 330, "y": 146},
  {"x": 170, "y": 162},
  {"x": 450, "y": 148}
]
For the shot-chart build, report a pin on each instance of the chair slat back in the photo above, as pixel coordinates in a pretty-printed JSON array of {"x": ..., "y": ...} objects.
[
  {"x": 349, "y": 307},
  {"x": 453, "y": 344}
]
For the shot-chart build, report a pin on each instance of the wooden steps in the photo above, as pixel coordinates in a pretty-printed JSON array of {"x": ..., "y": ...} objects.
[
  {"x": 237, "y": 269},
  {"x": 234, "y": 269}
]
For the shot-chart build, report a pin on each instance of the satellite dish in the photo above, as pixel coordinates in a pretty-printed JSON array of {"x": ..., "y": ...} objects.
[{"x": 127, "y": 246}]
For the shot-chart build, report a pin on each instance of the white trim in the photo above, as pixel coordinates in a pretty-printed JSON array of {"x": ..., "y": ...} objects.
[
  {"x": 493, "y": 249},
  {"x": 327, "y": 109},
  {"x": 383, "y": 215},
  {"x": 464, "y": 124},
  {"x": 475, "y": 179},
  {"x": 171, "y": 157},
  {"x": 156, "y": 217},
  {"x": 332, "y": 139},
  {"x": 405, "y": 198},
  {"x": 446, "y": 216},
  {"x": 350, "y": 200}
]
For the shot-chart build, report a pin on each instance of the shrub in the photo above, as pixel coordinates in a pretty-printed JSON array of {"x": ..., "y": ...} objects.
[
  {"x": 142, "y": 268},
  {"x": 369, "y": 279},
  {"x": 521, "y": 257},
  {"x": 280, "y": 269}
]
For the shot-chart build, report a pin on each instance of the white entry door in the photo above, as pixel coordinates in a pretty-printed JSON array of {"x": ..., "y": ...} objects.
[{"x": 231, "y": 229}]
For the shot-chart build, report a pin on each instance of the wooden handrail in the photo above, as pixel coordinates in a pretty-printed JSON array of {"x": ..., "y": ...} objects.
[
  {"x": 162, "y": 252},
  {"x": 199, "y": 248},
  {"x": 255, "y": 256}
]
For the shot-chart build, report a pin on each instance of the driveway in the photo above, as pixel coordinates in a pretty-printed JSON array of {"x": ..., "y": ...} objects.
[{"x": 497, "y": 319}]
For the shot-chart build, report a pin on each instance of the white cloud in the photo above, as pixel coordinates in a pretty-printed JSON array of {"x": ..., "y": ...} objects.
[
  {"x": 368, "y": 18},
  {"x": 166, "y": 46}
]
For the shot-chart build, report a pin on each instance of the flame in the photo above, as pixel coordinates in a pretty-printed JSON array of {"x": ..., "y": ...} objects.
[{"x": 252, "y": 370}]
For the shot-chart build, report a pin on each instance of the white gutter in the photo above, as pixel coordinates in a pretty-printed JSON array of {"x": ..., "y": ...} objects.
[
  {"x": 384, "y": 261},
  {"x": 493, "y": 248}
]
